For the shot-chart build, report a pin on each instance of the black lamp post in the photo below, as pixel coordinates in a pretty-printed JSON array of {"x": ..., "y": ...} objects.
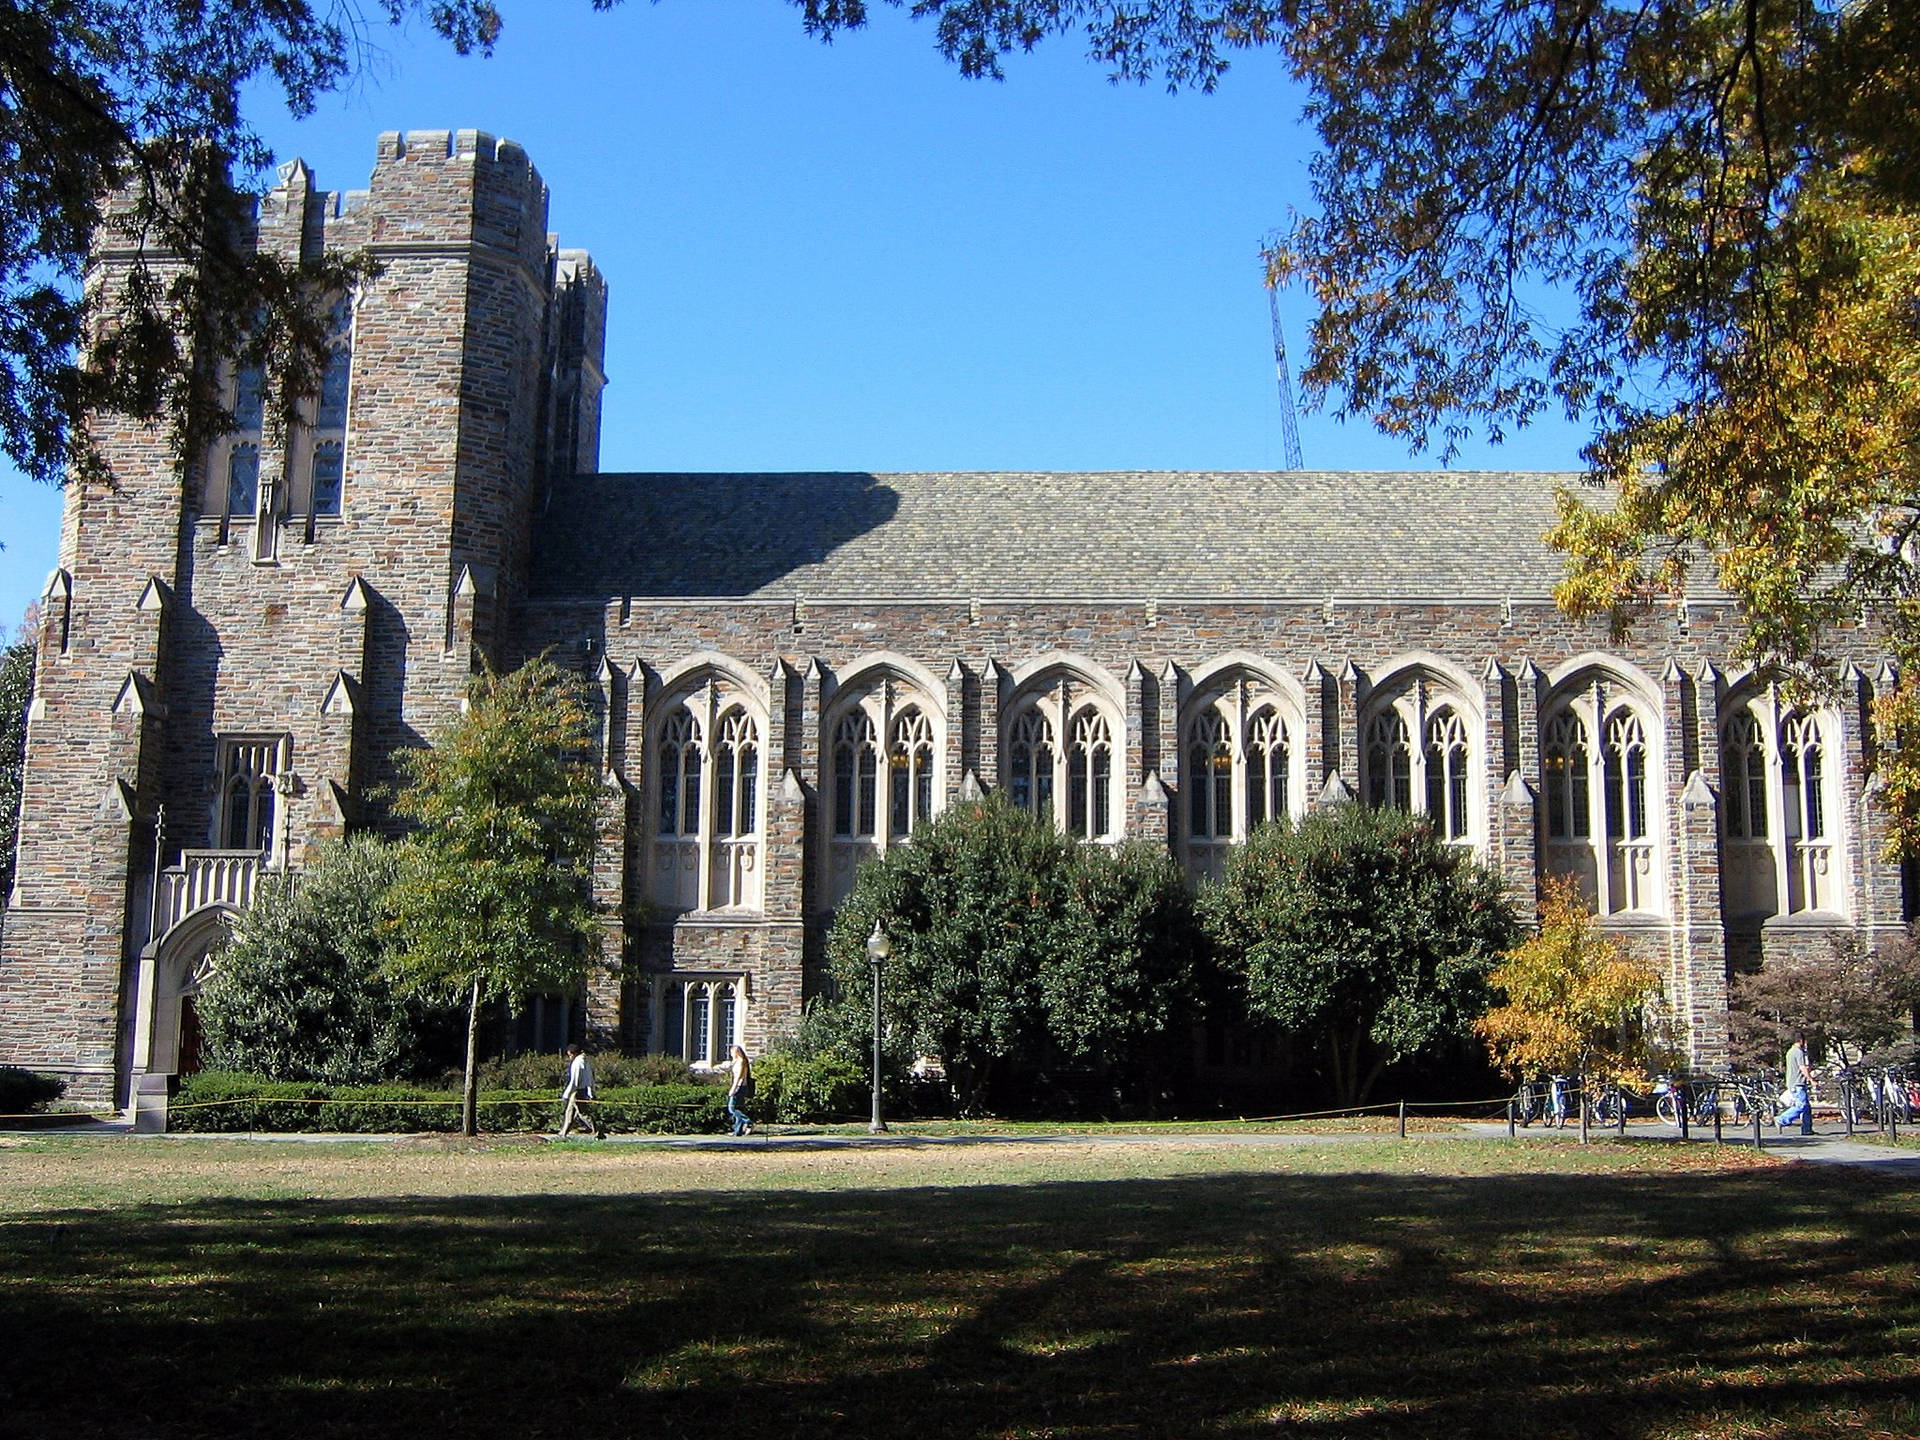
[{"x": 879, "y": 947}]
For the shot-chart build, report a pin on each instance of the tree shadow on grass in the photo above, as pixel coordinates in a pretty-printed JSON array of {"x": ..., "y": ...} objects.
[{"x": 1352, "y": 1305}]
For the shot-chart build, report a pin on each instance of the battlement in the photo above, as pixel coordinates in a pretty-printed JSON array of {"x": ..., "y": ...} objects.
[{"x": 440, "y": 186}]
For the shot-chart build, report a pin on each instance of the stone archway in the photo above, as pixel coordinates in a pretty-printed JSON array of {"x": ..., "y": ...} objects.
[{"x": 172, "y": 970}]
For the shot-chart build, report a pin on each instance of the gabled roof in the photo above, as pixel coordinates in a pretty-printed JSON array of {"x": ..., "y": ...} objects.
[{"x": 1310, "y": 535}]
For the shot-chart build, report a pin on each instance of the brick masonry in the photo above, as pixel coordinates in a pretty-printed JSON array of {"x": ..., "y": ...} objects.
[{"x": 475, "y": 525}]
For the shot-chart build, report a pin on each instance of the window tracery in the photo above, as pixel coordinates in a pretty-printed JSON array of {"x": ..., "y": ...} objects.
[
  {"x": 246, "y": 781},
  {"x": 1039, "y": 770},
  {"x": 1612, "y": 858},
  {"x": 879, "y": 793},
  {"x": 1439, "y": 776},
  {"x": 707, "y": 802},
  {"x": 1237, "y": 760},
  {"x": 1778, "y": 855}
]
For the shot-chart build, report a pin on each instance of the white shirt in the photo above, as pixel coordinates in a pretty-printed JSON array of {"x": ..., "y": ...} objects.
[{"x": 579, "y": 1079}]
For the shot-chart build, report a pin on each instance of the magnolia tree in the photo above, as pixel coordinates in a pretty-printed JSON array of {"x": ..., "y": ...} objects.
[
  {"x": 1361, "y": 929},
  {"x": 1013, "y": 945},
  {"x": 492, "y": 900},
  {"x": 1570, "y": 1000},
  {"x": 302, "y": 990}
]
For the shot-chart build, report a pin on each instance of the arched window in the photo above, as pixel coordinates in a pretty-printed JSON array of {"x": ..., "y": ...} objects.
[
  {"x": 856, "y": 760},
  {"x": 327, "y": 445},
  {"x": 1777, "y": 852},
  {"x": 870, "y": 813},
  {"x": 233, "y": 460},
  {"x": 1419, "y": 754},
  {"x": 910, "y": 773},
  {"x": 1568, "y": 782},
  {"x": 1389, "y": 762},
  {"x": 247, "y": 773},
  {"x": 243, "y": 478},
  {"x": 1040, "y": 772},
  {"x": 1447, "y": 774},
  {"x": 1612, "y": 856},
  {"x": 706, "y": 847},
  {"x": 1209, "y": 778},
  {"x": 1030, "y": 763},
  {"x": 1237, "y": 760},
  {"x": 1744, "y": 776},
  {"x": 1090, "y": 778},
  {"x": 1269, "y": 758}
]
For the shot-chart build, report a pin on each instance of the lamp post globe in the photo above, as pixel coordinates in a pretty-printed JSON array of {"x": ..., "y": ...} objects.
[{"x": 879, "y": 947}]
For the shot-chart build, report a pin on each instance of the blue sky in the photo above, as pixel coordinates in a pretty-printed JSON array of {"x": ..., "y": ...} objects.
[{"x": 848, "y": 257}]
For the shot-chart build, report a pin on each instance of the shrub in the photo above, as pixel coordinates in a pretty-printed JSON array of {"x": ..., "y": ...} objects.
[
  {"x": 226, "y": 1101},
  {"x": 222, "y": 1102},
  {"x": 611, "y": 1069},
  {"x": 300, "y": 993},
  {"x": 1362, "y": 930},
  {"x": 23, "y": 1092},
  {"x": 796, "y": 1088}
]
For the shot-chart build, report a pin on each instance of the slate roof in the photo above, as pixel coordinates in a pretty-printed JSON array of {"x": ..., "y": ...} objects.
[{"x": 1444, "y": 535}]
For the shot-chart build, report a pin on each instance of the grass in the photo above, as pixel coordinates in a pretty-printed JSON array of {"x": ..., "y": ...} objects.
[{"x": 1434, "y": 1287}]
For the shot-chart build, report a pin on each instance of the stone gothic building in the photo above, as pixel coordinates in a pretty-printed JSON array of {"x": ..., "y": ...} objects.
[{"x": 794, "y": 669}]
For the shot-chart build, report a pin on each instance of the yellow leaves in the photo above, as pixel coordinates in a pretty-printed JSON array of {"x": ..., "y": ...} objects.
[{"x": 1574, "y": 998}]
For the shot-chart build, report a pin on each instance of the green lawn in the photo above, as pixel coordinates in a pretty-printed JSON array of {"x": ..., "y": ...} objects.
[{"x": 1431, "y": 1287}]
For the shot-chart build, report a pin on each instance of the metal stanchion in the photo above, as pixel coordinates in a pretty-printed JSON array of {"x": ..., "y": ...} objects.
[
  {"x": 1510, "y": 1120},
  {"x": 1403, "y": 1119},
  {"x": 1716, "y": 1120},
  {"x": 1683, "y": 1094},
  {"x": 1757, "y": 1141}
]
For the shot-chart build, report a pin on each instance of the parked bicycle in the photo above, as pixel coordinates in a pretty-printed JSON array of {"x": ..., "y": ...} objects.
[
  {"x": 1856, "y": 1094},
  {"x": 1548, "y": 1099},
  {"x": 1701, "y": 1100},
  {"x": 1610, "y": 1103},
  {"x": 1754, "y": 1093}
]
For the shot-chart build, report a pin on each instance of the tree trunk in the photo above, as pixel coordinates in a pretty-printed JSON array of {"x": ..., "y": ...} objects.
[
  {"x": 1373, "y": 1076},
  {"x": 470, "y": 1089}
]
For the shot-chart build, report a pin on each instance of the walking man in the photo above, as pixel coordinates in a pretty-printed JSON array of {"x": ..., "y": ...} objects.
[
  {"x": 578, "y": 1095},
  {"x": 1799, "y": 1087}
]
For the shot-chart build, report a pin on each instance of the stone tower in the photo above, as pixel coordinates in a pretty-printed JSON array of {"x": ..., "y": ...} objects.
[{"x": 232, "y": 654}]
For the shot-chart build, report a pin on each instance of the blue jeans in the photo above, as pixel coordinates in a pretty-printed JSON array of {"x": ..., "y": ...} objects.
[
  {"x": 741, "y": 1122},
  {"x": 1801, "y": 1110}
]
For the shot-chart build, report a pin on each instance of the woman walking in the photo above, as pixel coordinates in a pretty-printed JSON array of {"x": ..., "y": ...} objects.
[{"x": 740, "y": 1090}]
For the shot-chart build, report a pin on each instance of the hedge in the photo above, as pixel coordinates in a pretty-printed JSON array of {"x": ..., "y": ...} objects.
[
  {"x": 22, "y": 1091},
  {"x": 223, "y": 1102}
]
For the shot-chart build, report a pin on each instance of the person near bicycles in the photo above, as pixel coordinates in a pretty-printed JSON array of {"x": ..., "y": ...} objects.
[{"x": 1798, "y": 1087}]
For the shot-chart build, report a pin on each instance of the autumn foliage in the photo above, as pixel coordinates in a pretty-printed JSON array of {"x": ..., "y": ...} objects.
[{"x": 1574, "y": 1001}]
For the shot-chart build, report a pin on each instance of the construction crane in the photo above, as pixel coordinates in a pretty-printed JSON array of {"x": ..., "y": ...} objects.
[{"x": 1289, "y": 425}]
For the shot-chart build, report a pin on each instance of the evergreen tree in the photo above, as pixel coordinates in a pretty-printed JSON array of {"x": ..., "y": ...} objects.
[
  {"x": 1363, "y": 930},
  {"x": 126, "y": 121},
  {"x": 302, "y": 992},
  {"x": 16, "y": 694}
]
